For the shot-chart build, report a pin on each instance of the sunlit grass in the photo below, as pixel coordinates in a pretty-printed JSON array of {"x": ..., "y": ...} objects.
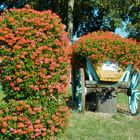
[{"x": 103, "y": 126}]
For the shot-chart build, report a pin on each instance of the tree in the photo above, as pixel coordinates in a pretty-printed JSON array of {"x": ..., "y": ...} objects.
[
  {"x": 91, "y": 15},
  {"x": 133, "y": 26},
  {"x": 70, "y": 19}
]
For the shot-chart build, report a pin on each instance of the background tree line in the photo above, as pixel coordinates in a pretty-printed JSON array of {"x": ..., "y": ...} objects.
[{"x": 83, "y": 16}]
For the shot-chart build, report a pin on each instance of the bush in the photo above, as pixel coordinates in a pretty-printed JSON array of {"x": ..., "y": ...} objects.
[
  {"x": 100, "y": 46},
  {"x": 35, "y": 65},
  {"x": 33, "y": 119}
]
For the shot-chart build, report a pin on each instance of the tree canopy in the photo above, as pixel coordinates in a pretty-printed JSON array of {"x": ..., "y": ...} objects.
[{"x": 91, "y": 15}]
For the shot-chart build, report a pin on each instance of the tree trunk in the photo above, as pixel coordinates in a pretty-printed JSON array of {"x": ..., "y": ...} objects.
[{"x": 70, "y": 19}]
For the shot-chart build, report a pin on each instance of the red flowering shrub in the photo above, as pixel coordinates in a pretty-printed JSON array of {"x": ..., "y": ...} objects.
[
  {"x": 35, "y": 66},
  {"x": 33, "y": 48},
  {"x": 32, "y": 119},
  {"x": 100, "y": 46}
]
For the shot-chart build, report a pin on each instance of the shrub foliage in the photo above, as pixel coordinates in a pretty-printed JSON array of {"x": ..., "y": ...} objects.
[
  {"x": 35, "y": 68},
  {"x": 100, "y": 46}
]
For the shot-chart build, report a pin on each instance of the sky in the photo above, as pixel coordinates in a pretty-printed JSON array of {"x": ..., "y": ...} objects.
[{"x": 121, "y": 32}]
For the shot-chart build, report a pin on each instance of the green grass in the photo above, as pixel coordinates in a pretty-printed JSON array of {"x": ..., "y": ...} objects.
[
  {"x": 99, "y": 126},
  {"x": 103, "y": 126},
  {"x": 122, "y": 98}
]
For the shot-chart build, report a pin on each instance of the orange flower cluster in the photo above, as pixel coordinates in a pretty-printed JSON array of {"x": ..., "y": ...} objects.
[
  {"x": 100, "y": 46},
  {"x": 29, "y": 120},
  {"x": 34, "y": 53},
  {"x": 35, "y": 67}
]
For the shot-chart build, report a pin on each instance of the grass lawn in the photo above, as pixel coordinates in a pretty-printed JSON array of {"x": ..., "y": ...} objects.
[{"x": 103, "y": 126}]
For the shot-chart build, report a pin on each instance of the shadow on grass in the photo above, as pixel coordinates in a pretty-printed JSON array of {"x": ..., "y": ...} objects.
[
  {"x": 123, "y": 111},
  {"x": 92, "y": 106}
]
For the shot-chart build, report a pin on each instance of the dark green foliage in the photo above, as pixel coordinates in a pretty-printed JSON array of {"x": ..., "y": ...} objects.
[{"x": 92, "y": 15}]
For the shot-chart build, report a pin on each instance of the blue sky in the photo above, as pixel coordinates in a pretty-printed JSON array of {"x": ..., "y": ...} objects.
[{"x": 121, "y": 32}]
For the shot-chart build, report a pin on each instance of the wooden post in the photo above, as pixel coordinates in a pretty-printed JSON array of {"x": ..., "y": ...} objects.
[
  {"x": 83, "y": 88},
  {"x": 73, "y": 84}
]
